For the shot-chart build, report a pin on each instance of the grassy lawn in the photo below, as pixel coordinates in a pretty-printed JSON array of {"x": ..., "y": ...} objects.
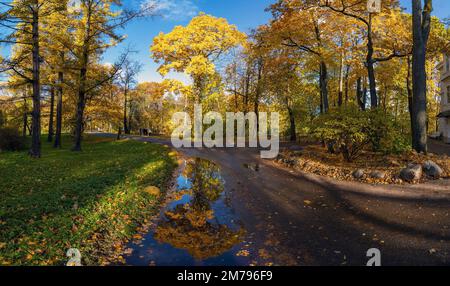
[{"x": 93, "y": 200}]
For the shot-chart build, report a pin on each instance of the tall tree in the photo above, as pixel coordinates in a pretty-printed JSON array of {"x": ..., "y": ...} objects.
[
  {"x": 128, "y": 81},
  {"x": 310, "y": 31},
  {"x": 58, "y": 48},
  {"x": 96, "y": 30},
  {"x": 357, "y": 10},
  {"x": 421, "y": 25},
  {"x": 193, "y": 49},
  {"x": 24, "y": 18}
]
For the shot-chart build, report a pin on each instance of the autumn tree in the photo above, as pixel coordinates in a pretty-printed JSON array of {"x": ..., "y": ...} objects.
[
  {"x": 309, "y": 30},
  {"x": 96, "y": 29},
  {"x": 358, "y": 10},
  {"x": 58, "y": 46},
  {"x": 153, "y": 106},
  {"x": 195, "y": 48},
  {"x": 127, "y": 80},
  {"x": 281, "y": 64},
  {"x": 105, "y": 110},
  {"x": 24, "y": 19}
]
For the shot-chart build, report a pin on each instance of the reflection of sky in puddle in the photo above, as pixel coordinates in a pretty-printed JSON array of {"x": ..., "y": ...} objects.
[{"x": 198, "y": 227}]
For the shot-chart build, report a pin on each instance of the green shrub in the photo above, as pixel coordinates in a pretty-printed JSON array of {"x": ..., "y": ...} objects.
[
  {"x": 344, "y": 130},
  {"x": 10, "y": 139},
  {"x": 385, "y": 133},
  {"x": 348, "y": 131}
]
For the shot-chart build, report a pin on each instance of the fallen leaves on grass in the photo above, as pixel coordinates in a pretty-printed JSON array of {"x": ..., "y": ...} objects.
[{"x": 153, "y": 191}]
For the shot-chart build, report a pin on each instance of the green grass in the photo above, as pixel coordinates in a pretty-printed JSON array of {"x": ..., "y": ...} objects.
[{"x": 92, "y": 200}]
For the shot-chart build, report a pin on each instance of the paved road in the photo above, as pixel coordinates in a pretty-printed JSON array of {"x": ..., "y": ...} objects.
[{"x": 303, "y": 219}]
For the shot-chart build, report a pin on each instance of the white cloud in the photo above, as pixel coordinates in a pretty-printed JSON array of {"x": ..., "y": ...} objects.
[
  {"x": 176, "y": 10},
  {"x": 150, "y": 75}
]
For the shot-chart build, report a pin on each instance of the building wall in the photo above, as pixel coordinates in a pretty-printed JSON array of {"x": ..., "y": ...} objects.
[{"x": 444, "y": 123}]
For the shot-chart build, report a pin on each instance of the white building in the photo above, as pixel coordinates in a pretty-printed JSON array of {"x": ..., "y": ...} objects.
[{"x": 444, "y": 115}]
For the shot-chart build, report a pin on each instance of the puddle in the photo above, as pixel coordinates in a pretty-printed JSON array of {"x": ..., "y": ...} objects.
[{"x": 196, "y": 227}]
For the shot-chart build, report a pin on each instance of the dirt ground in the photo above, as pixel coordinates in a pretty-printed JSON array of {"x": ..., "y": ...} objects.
[{"x": 314, "y": 158}]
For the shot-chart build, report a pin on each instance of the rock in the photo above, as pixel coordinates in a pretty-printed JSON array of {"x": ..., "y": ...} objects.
[
  {"x": 411, "y": 165},
  {"x": 378, "y": 175},
  {"x": 154, "y": 191},
  {"x": 432, "y": 169},
  {"x": 411, "y": 173},
  {"x": 358, "y": 174}
]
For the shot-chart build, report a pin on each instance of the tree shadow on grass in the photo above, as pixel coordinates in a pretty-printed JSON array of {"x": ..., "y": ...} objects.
[{"x": 54, "y": 191}]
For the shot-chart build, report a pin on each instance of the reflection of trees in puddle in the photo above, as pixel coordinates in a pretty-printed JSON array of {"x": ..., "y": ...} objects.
[{"x": 193, "y": 226}]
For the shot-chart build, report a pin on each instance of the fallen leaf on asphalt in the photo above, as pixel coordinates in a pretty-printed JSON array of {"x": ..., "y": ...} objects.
[
  {"x": 243, "y": 253},
  {"x": 137, "y": 236},
  {"x": 264, "y": 254}
]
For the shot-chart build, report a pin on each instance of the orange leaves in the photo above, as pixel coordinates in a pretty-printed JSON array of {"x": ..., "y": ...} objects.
[
  {"x": 137, "y": 236},
  {"x": 243, "y": 253}
]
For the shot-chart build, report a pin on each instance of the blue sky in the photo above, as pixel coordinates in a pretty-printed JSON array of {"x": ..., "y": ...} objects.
[{"x": 246, "y": 14}]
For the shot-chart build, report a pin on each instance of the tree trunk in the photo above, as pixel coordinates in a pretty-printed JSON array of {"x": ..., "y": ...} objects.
[
  {"x": 80, "y": 111},
  {"x": 247, "y": 89},
  {"x": 81, "y": 104},
  {"x": 119, "y": 133},
  {"x": 236, "y": 103},
  {"x": 347, "y": 84},
  {"x": 130, "y": 128},
  {"x": 35, "y": 150},
  {"x": 59, "y": 107},
  {"x": 52, "y": 115},
  {"x": 341, "y": 82},
  {"x": 258, "y": 91},
  {"x": 410, "y": 92},
  {"x": 421, "y": 29},
  {"x": 293, "y": 131},
  {"x": 359, "y": 94},
  {"x": 370, "y": 67},
  {"x": 25, "y": 116},
  {"x": 364, "y": 94},
  {"x": 125, "y": 115},
  {"x": 324, "y": 86}
]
